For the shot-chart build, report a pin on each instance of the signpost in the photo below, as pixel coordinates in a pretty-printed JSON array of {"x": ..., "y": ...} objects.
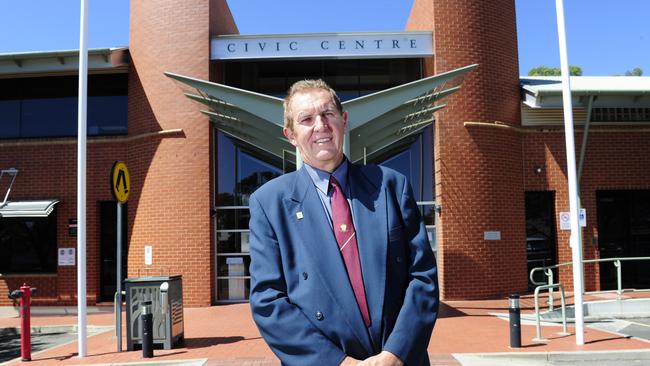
[{"x": 120, "y": 186}]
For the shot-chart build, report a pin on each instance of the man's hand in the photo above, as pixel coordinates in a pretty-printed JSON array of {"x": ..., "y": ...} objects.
[
  {"x": 385, "y": 358},
  {"x": 349, "y": 361}
]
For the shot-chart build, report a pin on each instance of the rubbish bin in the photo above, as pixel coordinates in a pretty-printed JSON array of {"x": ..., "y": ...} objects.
[{"x": 166, "y": 296}]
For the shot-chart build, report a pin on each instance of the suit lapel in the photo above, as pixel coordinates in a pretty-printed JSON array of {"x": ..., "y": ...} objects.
[
  {"x": 321, "y": 245},
  {"x": 370, "y": 222}
]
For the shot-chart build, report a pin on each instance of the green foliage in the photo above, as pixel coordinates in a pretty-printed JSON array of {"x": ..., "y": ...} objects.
[
  {"x": 637, "y": 71},
  {"x": 575, "y": 70},
  {"x": 554, "y": 71}
]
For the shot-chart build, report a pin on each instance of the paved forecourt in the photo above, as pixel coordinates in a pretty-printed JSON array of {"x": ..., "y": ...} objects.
[{"x": 226, "y": 335}]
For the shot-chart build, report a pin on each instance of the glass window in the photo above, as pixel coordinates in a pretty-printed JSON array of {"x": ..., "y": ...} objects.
[
  {"x": 240, "y": 171},
  {"x": 28, "y": 244},
  {"x": 252, "y": 174},
  {"x": 233, "y": 289},
  {"x": 47, "y": 106},
  {"x": 107, "y": 115},
  {"x": 412, "y": 157},
  {"x": 350, "y": 78},
  {"x": 10, "y": 118},
  {"x": 49, "y": 117}
]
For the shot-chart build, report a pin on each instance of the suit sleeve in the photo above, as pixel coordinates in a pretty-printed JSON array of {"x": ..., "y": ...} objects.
[
  {"x": 285, "y": 328},
  {"x": 414, "y": 325}
]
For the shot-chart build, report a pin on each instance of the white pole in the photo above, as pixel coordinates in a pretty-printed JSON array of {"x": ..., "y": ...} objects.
[
  {"x": 81, "y": 182},
  {"x": 118, "y": 253},
  {"x": 575, "y": 240}
]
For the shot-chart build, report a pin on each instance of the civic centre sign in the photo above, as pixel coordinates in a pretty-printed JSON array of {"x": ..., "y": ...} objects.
[{"x": 322, "y": 45}]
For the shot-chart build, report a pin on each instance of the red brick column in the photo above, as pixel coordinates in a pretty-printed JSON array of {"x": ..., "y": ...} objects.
[
  {"x": 478, "y": 170},
  {"x": 170, "y": 204}
]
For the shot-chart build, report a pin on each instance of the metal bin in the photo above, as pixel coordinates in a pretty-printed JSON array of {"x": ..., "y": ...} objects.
[{"x": 166, "y": 296}]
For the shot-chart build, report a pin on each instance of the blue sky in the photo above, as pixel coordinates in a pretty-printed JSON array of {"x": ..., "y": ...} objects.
[{"x": 604, "y": 37}]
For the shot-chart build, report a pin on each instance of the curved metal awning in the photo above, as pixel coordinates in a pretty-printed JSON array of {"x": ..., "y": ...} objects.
[
  {"x": 40, "y": 208},
  {"x": 376, "y": 120}
]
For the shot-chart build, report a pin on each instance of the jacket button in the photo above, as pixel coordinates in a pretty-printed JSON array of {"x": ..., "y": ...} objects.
[
  {"x": 398, "y": 259},
  {"x": 319, "y": 315},
  {"x": 305, "y": 275}
]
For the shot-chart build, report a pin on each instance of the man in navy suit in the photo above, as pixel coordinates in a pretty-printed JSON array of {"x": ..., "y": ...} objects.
[{"x": 312, "y": 303}]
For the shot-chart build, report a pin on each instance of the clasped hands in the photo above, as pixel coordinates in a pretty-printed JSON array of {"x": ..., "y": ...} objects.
[{"x": 385, "y": 358}]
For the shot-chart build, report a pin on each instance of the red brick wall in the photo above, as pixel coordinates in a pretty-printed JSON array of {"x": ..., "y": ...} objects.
[
  {"x": 478, "y": 171},
  {"x": 619, "y": 159},
  {"x": 48, "y": 169}
]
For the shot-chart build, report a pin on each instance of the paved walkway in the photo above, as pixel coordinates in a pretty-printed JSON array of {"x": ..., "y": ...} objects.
[{"x": 226, "y": 335}]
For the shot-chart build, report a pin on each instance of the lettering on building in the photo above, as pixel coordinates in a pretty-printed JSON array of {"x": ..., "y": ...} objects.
[{"x": 401, "y": 44}]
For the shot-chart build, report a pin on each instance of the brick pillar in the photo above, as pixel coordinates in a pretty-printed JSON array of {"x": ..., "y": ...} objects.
[
  {"x": 169, "y": 207},
  {"x": 478, "y": 169}
]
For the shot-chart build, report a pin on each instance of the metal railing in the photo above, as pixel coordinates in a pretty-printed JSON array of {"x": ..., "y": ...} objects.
[
  {"x": 618, "y": 263},
  {"x": 538, "y": 334}
]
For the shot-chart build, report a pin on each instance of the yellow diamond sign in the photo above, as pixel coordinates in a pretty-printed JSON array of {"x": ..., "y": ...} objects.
[{"x": 120, "y": 181}]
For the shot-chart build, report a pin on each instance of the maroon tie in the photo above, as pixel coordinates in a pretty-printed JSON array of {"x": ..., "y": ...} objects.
[{"x": 347, "y": 239}]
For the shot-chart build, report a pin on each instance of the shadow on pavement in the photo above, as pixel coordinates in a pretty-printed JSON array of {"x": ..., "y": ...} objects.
[{"x": 213, "y": 341}]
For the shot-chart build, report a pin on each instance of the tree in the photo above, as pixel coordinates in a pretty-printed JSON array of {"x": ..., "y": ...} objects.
[
  {"x": 554, "y": 71},
  {"x": 637, "y": 71}
]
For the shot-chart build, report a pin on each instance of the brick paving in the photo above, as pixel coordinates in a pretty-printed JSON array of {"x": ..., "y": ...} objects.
[{"x": 226, "y": 335}]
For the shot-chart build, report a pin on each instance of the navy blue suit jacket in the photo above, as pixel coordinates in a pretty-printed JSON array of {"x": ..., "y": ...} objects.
[{"x": 301, "y": 297}]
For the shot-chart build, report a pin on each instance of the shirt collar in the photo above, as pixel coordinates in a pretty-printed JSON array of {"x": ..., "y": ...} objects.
[{"x": 321, "y": 178}]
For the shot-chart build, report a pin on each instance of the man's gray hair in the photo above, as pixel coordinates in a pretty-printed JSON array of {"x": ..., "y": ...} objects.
[{"x": 301, "y": 86}]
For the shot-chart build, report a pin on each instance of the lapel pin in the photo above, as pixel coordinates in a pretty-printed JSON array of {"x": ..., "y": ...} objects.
[{"x": 299, "y": 215}]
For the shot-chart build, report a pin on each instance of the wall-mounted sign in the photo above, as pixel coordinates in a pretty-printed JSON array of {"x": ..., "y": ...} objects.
[
  {"x": 323, "y": 45},
  {"x": 565, "y": 219},
  {"x": 492, "y": 235},
  {"x": 148, "y": 255},
  {"x": 72, "y": 227},
  {"x": 120, "y": 181},
  {"x": 67, "y": 256}
]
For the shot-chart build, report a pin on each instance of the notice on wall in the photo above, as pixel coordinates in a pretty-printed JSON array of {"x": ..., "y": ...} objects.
[
  {"x": 565, "y": 219},
  {"x": 67, "y": 256},
  {"x": 492, "y": 235},
  {"x": 148, "y": 255}
]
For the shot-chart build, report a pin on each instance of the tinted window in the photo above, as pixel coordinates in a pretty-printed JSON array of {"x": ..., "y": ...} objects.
[
  {"x": 240, "y": 171},
  {"x": 412, "y": 157},
  {"x": 47, "y": 106},
  {"x": 10, "y": 118},
  {"x": 28, "y": 244},
  {"x": 350, "y": 78}
]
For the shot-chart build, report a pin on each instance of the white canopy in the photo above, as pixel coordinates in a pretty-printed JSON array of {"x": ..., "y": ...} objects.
[{"x": 42, "y": 208}]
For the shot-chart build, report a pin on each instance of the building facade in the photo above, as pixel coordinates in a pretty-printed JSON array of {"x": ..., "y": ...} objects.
[{"x": 192, "y": 108}]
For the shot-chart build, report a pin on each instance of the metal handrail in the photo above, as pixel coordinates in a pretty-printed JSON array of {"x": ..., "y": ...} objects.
[
  {"x": 538, "y": 334},
  {"x": 617, "y": 263}
]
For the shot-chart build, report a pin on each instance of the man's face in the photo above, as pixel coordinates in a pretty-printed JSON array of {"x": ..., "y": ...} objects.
[{"x": 318, "y": 129}]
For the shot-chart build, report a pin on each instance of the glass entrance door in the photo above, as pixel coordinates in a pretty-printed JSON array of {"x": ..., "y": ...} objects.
[
  {"x": 624, "y": 231},
  {"x": 541, "y": 247}
]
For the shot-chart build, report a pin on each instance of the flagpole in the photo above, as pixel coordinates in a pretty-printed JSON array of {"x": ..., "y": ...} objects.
[
  {"x": 575, "y": 242},
  {"x": 81, "y": 182}
]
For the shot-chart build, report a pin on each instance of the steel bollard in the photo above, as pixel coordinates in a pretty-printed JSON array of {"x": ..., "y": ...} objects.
[
  {"x": 515, "y": 321},
  {"x": 146, "y": 324}
]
